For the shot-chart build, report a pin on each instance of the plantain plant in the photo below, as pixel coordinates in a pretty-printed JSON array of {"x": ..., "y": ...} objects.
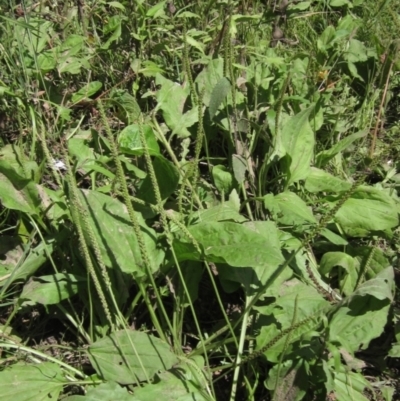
[{"x": 194, "y": 207}]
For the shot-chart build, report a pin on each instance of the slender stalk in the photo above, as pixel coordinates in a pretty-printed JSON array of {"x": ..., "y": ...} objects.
[{"x": 240, "y": 351}]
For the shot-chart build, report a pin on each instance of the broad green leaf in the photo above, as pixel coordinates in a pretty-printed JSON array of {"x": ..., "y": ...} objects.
[
  {"x": 51, "y": 290},
  {"x": 114, "y": 27},
  {"x": 150, "y": 69},
  {"x": 253, "y": 245},
  {"x": 381, "y": 287},
  {"x": 41, "y": 34},
  {"x": 187, "y": 381},
  {"x": 395, "y": 350},
  {"x": 209, "y": 77},
  {"x": 297, "y": 138},
  {"x": 130, "y": 142},
  {"x": 222, "y": 179},
  {"x": 64, "y": 113},
  {"x": 326, "y": 155},
  {"x": 185, "y": 121},
  {"x": 301, "y": 6},
  {"x": 239, "y": 168},
  {"x": 72, "y": 65},
  {"x": 137, "y": 172},
  {"x": 318, "y": 118},
  {"x": 157, "y": 10},
  {"x": 348, "y": 385},
  {"x": 309, "y": 302},
  {"x": 252, "y": 277},
  {"x": 224, "y": 211},
  {"x": 171, "y": 100},
  {"x": 339, "y": 3},
  {"x": 58, "y": 209},
  {"x": 387, "y": 391},
  {"x": 192, "y": 272},
  {"x": 46, "y": 61},
  {"x": 113, "y": 230},
  {"x": 377, "y": 259},
  {"x": 289, "y": 209},
  {"x": 279, "y": 150},
  {"x": 128, "y": 107},
  {"x": 83, "y": 153},
  {"x": 220, "y": 91},
  {"x": 109, "y": 391},
  {"x": 333, "y": 237},
  {"x": 362, "y": 320},
  {"x": 195, "y": 43},
  {"x": 20, "y": 163},
  {"x": 167, "y": 177},
  {"x": 36, "y": 258},
  {"x": 116, "y": 4},
  {"x": 19, "y": 193},
  {"x": 130, "y": 356},
  {"x": 368, "y": 209},
  {"x": 349, "y": 279},
  {"x": 306, "y": 308},
  {"x": 353, "y": 71},
  {"x": 176, "y": 385},
  {"x": 72, "y": 45},
  {"x": 187, "y": 14},
  {"x": 234, "y": 200},
  {"x": 321, "y": 181},
  {"x": 35, "y": 382},
  {"x": 238, "y": 245},
  {"x": 299, "y": 71},
  {"x": 291, "y": 384},
  {"x": 326, "y": 39},
  {"x": 88, "y": 90},
  {"x": 303, "y": 262},
  {"x": 357, "y": 52},
  {"x": 268, "y": 335}
]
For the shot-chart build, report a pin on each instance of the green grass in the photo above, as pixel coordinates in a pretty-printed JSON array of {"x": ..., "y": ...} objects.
[{"x": 194, "y": 207}]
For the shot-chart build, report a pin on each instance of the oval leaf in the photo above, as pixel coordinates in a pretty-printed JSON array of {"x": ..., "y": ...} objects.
[
  {"x": 220, "y": 91},
  {"x": 298, "y": 140},
  {"x": 113, "y": 230},
  {"x": 222, "y": 179},
  {"x": 127, "y": 357},
  {"x": 88, "y": 90},
  {"x": 289, "y": 209},
  {"x": 17, "y": 192},
  {"x": 53, "y": 290},
  {"x": 39, "y": 382},
  {"x": 253, "y": 245},
  {"x": 130, "y": 142},
  {"x": 108, "y": 391},
  {"x": 368, "y": 209}
]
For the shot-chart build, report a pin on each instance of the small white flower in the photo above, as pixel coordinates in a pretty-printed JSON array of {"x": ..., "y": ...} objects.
[{"x": 59, "y": 164}]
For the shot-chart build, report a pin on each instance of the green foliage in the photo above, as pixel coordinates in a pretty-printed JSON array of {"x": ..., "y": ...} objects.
[
  {"x": 198, "y": 201},
  {"x": 43, "y": 380},
  {"x": 128, "y": 356},
  {"x": 49, "y": 290}
]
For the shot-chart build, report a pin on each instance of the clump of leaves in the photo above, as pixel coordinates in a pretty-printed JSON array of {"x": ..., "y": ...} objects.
[{"x": 202, "y": 226}]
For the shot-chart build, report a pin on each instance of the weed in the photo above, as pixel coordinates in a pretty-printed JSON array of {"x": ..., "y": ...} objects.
[{"x": 203, "y": 196}]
